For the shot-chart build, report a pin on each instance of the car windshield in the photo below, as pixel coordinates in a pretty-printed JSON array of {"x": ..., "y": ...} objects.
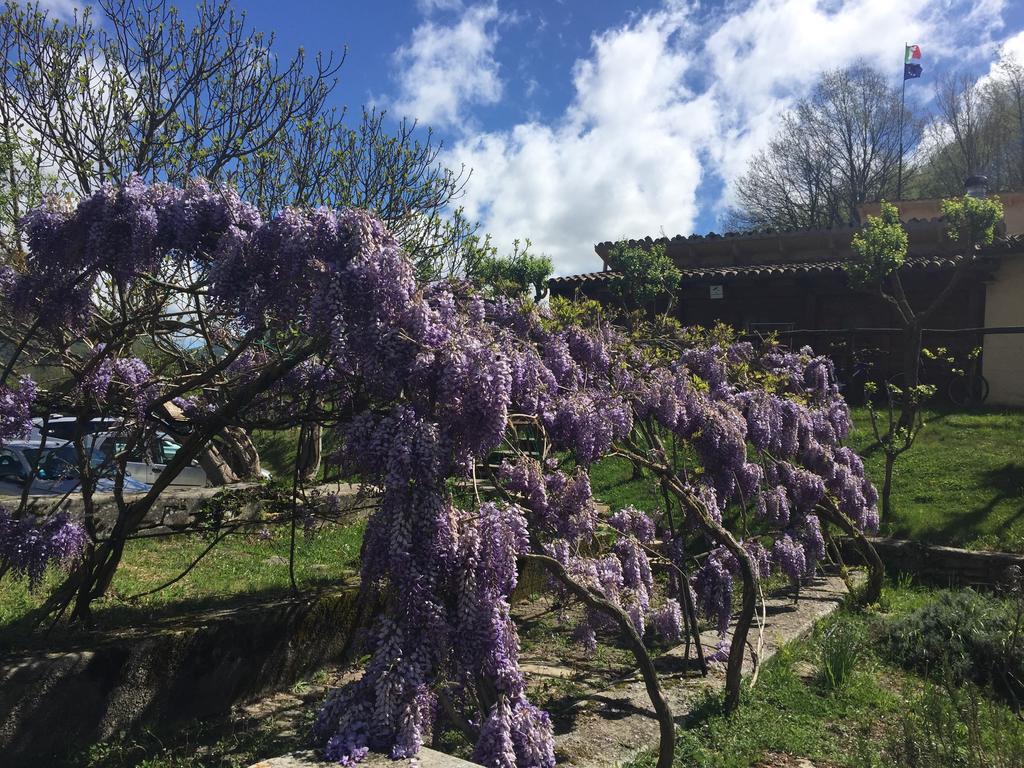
[{"x": 54, "y": 463}]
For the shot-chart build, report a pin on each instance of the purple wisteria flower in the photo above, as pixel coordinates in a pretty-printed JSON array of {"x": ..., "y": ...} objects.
[
  {"x": 28, "y": 546},
  {"x": 16, "y": 409}
]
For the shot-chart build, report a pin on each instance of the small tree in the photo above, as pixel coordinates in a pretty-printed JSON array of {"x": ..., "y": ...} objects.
[
  {"x": 881, "y": 249},
  {"x": 133, "y": 89},
  {"x": 645, "y": 275},
  {"x": 514, "y": 275}
]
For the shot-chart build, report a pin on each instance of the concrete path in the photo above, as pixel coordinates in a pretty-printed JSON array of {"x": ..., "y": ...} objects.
[{"x": 613, "y": 726}]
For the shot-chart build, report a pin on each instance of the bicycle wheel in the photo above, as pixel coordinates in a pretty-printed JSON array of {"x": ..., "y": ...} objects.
[{"x": 965, "y": 390}]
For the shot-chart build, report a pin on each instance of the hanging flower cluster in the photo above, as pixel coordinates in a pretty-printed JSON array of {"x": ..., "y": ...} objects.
[
  {"x": 28, "y": 546},
  {"x": 764, "y": 430},
  {"x": 16, "y": 409}
]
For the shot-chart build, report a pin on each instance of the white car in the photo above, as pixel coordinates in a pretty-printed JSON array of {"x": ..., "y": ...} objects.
[
  {"x": 145, "y": 462},
  {"x": 57, "y": 471}
]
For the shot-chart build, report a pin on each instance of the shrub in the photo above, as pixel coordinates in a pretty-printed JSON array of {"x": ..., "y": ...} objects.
[
  {"x": 953, "y": 725},
  {"x": 965, "y": 635}
]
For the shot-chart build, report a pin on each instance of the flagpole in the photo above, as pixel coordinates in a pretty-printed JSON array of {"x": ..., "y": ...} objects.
[{"x": 903, "y": 100}]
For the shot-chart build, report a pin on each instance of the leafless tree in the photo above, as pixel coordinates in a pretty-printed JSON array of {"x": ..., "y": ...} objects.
[
  {"x": 978, "y": 128},
  {"x": 837, "y": 148}
]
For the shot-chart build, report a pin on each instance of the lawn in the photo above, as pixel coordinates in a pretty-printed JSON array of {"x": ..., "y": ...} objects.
[
  {"x": 962, "y": 484},
  {"x": 240, "y": 565},
  {"x": 882, "y": 716}
]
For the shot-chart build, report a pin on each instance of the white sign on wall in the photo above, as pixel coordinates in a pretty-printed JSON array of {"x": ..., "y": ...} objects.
[{"x": 717, "y": 292}]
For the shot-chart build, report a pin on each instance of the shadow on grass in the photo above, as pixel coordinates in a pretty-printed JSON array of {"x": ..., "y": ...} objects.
[
  {"x": 1007, "y": 484},
  {"x": 121, "y": 620}
]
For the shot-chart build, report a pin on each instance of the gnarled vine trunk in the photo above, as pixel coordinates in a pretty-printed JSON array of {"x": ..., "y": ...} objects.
[
  {"x": 876, "y": 568},
  {"x": 310, "y": 452}
]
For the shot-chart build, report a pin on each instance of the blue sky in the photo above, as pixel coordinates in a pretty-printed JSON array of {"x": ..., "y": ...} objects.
[{"x": 586, "y": 121}]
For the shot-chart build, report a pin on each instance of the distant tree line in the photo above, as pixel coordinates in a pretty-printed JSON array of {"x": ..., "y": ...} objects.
[{"x": 978, "y": 128}]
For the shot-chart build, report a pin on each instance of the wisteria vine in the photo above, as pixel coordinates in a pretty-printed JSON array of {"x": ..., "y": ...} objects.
[{"x": 424, "y": 384}]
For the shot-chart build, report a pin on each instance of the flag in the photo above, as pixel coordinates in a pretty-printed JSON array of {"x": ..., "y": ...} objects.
[{"x": 912, "y": 62}]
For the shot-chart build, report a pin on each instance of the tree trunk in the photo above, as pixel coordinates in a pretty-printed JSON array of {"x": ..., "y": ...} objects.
[
  {"x": 876, "y": 568},
  {"x": 748, "y": 607},
  {"x": 310, "y": 450},
  {"x": 890, "y": 461},
  {"x": 241, "y": 454},
  {"x": 229, "y": 458},
  {"x": 215, "y": 465},
  {"x": 911, "y": 373}
]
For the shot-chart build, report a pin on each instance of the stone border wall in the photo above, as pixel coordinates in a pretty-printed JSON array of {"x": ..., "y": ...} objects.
[
  {"x": 175, "y": 509},
  {"x": 939, "y": 565},
  {"x": 52, "y": 703}
]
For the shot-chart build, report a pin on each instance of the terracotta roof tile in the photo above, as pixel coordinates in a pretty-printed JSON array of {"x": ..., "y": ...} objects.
[{"x": 927, "y": 263}]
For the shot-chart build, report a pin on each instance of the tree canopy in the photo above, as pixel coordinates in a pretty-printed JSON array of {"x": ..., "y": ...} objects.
[
  {"x": 836, "y": 148},
  {"x": 130, "y": 88},
  {"x": 977, "y": 128},
  {"x": 644, "y": 274}
]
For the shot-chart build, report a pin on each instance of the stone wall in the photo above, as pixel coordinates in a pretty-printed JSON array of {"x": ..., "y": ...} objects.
[
  {"x": 942, "y": 566},
  {"x": 51, "y": 703},
  {"x": 175, "y": 509}
]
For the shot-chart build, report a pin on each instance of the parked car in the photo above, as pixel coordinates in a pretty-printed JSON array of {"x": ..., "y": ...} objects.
[
  {"x": 145, "y": 462},
  {"x": 57, "y": 472}
]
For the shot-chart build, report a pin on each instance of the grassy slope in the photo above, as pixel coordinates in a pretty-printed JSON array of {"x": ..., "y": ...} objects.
[
  {"x": 242, "y": 564},
  {"x": 962, "y": 484}
]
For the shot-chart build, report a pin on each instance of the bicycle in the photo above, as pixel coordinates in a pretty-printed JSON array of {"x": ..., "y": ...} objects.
[
  {"x": 968, "y": 387},
  {"x": 860, "y": 374},
  {"x": 961, "y": 387}
]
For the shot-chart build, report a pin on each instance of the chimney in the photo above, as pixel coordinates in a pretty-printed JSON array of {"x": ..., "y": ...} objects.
[{"x": 976, "y": 186}]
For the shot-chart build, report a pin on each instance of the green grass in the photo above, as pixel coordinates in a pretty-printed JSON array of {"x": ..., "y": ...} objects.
[
  {"x": 962, "y": 484},
  {"x": 794, "y": 711},
  {"x": 278, "y": 448},
  {"x": 237, "y": 566}
]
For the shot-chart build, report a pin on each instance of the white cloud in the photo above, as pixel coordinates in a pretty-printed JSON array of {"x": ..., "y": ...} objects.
[
  {"x": 627, "y": 155},
  {"x": 623, "y": 159},
  {"x": 446, "y": 68},
  {"x": 62, "y": 9},
  {"x": 1013, "y": 47},
  {"x": 429, "y": 6}
]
